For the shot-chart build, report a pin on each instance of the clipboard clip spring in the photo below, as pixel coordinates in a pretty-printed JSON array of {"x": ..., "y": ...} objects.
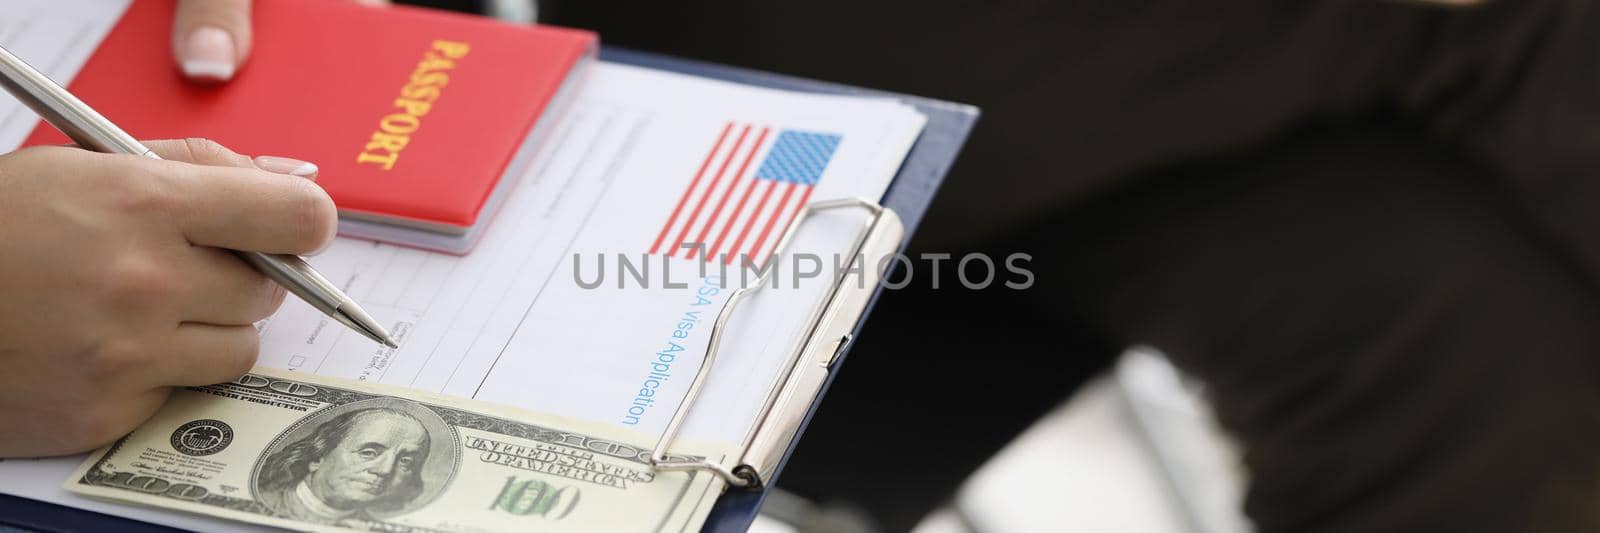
[{"x": 827, "y": 334}]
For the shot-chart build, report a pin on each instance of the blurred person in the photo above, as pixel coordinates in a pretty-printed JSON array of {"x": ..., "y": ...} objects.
[{"x": 1369, "y": 226}]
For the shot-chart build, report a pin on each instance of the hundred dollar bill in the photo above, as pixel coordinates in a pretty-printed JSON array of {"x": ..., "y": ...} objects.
[{"x": 314, "y": 453}]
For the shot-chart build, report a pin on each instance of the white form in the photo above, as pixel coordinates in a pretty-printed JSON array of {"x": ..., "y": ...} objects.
[
  {"x": 56, "y": 37},
  {"x": 511, "y": 323}
]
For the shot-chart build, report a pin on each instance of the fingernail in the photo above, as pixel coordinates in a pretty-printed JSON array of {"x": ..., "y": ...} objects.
[
  {"x": 209, "y": 54},
  {"x": 284, "y": 165}
]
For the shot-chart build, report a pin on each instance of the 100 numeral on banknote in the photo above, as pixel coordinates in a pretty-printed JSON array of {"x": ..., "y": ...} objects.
[{"x": 314, "y": 453}]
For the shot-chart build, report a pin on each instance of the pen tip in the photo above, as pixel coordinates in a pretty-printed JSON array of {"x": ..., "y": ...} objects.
[{"x": 352, "y": 315}]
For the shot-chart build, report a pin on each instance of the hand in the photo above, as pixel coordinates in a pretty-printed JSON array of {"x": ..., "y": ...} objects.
[
  {"x": 211, "y": 38},
  {"x": 113, "y": 288}
]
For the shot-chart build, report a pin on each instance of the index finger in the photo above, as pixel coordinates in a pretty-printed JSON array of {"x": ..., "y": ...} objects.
[{"x": 254, "y": 210}]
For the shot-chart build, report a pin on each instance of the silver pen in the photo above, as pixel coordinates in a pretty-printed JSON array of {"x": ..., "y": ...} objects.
[{"x": 90, "y": 130}]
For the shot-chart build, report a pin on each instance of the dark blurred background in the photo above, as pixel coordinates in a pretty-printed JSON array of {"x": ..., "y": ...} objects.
[{"x": 1205, "y": 169}]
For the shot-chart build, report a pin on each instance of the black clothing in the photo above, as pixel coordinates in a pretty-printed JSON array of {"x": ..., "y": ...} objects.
[{"x": 1369, "y": 226}]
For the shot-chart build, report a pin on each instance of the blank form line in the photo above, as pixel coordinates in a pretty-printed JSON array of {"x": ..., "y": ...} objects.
[
  {"x": 633, "y": 137},
  {"x": 567, "y": 134},
  {"x": 586, "y": 159},
  {"x": 522, "y": 265}
]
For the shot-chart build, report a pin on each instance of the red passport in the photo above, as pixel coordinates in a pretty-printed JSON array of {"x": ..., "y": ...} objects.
[{"x": 413, "y": 115}]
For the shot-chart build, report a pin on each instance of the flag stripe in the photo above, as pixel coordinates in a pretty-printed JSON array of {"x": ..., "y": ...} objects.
[
  {"x": 734, "y": 217},
  {"x": 754, "y": 216},
  {"x": 693, "y": 215},
  {"x": 722, "y": 201},
  {"x": 800, "y": 206},
  {"x": 756, "y": 250},
  {"x": 656, "y": 248}
]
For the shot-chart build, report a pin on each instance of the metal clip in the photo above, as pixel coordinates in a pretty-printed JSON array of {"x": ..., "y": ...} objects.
[{"x": 741, "y": 474}]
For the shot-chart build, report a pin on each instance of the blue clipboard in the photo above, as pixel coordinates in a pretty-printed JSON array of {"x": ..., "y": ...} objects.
[{"x": 909, "y": 196}]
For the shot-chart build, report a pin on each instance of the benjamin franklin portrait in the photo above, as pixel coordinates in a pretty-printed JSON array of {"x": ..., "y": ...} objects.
[{"x": 362, "y": 461}]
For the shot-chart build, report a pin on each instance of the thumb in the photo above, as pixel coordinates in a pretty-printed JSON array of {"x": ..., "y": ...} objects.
[{"x": 211, "y": 38}]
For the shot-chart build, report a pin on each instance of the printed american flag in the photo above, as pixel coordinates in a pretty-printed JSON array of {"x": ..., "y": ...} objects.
[{"x": 742, "y": 212}]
